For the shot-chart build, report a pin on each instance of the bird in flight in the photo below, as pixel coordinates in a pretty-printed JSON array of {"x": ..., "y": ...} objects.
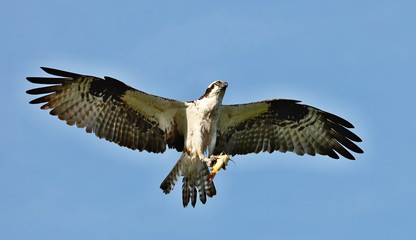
[{"x": 205, "y": 131}]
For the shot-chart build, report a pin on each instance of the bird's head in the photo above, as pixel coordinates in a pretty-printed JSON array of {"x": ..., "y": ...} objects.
[{"x": 215, "y": 89}]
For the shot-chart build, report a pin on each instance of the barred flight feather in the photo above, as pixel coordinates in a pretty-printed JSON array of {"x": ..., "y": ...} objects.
[
  {"x": 137, "y": 120},
  {"x": 286, "y": 125},
  {"x": 99, "y": 106}
]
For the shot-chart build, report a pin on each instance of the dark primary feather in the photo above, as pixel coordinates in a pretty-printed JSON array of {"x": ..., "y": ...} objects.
[
  {"x": 60, "y": 73},
  {"x": 285, "y": 126},
  {"x": 97, "y": 105}
]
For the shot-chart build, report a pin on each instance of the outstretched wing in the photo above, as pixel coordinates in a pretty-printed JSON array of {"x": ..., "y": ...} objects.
[
  {"x": 283, "y": 125},
  {"x": 112, "y": 110}
]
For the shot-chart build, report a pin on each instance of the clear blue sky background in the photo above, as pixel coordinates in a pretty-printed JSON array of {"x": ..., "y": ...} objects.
[{"x": 356, "y": 59}]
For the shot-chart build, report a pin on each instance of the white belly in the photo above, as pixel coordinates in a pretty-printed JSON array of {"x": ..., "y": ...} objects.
[{"x": 201, "y": 129}]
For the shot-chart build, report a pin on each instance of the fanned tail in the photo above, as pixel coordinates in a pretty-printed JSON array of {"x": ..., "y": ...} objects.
[
  {"x": 169, "y": 183},
  {"x": 195, "y": 179}
]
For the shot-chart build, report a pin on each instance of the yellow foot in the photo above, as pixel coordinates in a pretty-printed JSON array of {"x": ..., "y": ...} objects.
[{"x": 216, "y": 163}]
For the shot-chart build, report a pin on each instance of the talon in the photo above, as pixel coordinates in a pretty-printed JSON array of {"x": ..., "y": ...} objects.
[
  {"x": 217, "y": 163},
  {"x": 212, "y": 163}
]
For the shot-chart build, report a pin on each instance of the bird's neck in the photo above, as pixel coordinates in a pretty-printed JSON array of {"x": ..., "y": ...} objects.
[{"x": 209, "y": 104}]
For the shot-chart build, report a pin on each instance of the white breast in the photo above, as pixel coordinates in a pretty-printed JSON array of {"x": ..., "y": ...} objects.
[{"x": 202, "y": 117}]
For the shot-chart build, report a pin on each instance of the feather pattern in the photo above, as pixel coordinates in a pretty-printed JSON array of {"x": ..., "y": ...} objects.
[
  {"x": 112, "y": 110},
  {"x": 119, "y": 113},
  {"x": 283, "y": 125},
  {"x": 195, "y": 179}
]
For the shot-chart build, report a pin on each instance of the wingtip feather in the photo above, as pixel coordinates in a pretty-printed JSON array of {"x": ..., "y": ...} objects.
[{"x": 58, "y": 72}]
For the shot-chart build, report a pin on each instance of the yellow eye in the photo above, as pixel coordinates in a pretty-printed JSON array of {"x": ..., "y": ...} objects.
[{"x": 217, "y": 83}]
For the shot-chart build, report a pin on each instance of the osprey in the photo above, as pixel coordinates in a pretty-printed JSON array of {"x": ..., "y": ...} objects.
[{"x": 204, "y": 130}]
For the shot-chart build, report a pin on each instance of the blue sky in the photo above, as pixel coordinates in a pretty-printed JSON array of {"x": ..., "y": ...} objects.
[{"x": 355, "y": 59}]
